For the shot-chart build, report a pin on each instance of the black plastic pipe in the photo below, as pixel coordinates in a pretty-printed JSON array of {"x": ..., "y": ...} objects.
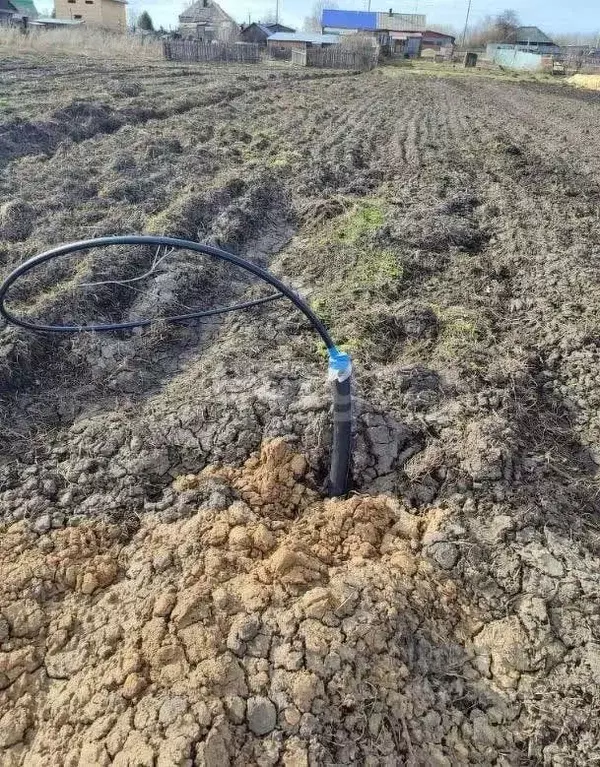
[{"x": 340, "y": 366}]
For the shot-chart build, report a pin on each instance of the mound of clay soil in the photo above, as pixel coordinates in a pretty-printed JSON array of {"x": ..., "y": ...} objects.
[{"x": 269, "y": 627}]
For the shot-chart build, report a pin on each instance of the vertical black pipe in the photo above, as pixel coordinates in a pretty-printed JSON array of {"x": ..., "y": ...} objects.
[{"x": 341, "y": 449}]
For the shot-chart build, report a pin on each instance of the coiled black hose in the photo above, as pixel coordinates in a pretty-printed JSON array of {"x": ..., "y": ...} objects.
[{"x": 340, "y": 367}]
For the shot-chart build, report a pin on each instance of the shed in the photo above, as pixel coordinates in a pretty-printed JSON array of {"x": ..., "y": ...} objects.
[
  {"x": 260, "y": 33},
  {"x": 281, "y": 44},
  {"x": 301, "y": 39},
  {"x": 438, "y": 42}
]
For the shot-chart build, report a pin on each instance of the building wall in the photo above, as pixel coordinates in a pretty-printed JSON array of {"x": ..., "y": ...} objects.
[
  {"x": 437, "y": 42},
  {"x": 95, "y": 13},
  {"x": 114, "y": 15},
  {"x": 401, "y": 22},
  {"x": 286, "y": 44},
  {"x": 80, "y": 10},
  {"x": 224, "y": 31},
  {"x": 511, "y": 58}
]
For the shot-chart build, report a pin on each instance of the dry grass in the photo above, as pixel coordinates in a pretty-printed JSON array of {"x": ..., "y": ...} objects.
[
  {"x": 91, "y": 43},
  {"x": 591, "y": 82}
]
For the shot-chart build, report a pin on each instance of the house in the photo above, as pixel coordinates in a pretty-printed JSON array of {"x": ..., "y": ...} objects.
[
  {"x": 260, "y": 33},
  {"x": 533, "y": 39},
  {"x": 397, "y": 33},
  {"x": 10, "y": 8},
  {"x": 281, "y": 44},
  {"x": 102, "y": 14},
  {"x": 206, "y": 20},
  {"x": 348, "y": 22}
]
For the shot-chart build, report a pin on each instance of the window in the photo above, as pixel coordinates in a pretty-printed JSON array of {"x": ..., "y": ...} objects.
[
  {"x": 77, "y": 16},
  {"x": 71, "y": 1},
  {"x": 89, "y": 2}
]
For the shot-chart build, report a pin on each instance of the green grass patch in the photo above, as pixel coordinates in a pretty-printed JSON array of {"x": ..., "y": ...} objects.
[
  {"x": 463, "y": 333},
  {"x": 364, "y": 218},
  {"x": 358, "y": 273}
]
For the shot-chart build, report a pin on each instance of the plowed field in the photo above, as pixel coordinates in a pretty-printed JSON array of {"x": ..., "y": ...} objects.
[{"x": 175, "y": 590}]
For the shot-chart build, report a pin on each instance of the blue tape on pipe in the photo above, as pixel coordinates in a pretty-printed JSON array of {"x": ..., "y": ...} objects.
[{"x": 340, "y": 365}]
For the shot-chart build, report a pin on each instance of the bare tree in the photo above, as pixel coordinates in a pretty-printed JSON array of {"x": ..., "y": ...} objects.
[
  {"x": 312, "y": 23},
  {"x": 591, "y": 39},
  {"x": 494, "y": 29},
  {"x": 506, "y": 24},
  {"x": 133, "y": 17}
]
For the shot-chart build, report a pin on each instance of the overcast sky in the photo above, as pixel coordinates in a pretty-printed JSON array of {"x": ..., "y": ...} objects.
[{"x": 550, "y": 15}]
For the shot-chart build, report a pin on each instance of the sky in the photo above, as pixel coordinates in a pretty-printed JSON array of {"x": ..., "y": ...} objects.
[{"x": 554, "y": 16}]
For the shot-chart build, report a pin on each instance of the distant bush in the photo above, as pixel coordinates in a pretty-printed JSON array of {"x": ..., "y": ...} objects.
[{"x": 94, "y": 43}]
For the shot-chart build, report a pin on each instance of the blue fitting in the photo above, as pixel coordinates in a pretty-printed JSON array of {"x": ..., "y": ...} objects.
[{"x": 340, "y": 365}]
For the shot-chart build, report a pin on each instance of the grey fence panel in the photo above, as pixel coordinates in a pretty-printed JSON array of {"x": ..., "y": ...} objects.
[
  {"x": 196, "y": 50},
  {"x": 336, "y": 57}
]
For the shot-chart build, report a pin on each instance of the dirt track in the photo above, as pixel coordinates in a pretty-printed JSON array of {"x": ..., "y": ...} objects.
[{"x": 448, "y": 231}]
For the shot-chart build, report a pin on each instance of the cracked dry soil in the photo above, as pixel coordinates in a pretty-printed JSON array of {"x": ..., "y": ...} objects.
[{"x": 174, "y": 589}]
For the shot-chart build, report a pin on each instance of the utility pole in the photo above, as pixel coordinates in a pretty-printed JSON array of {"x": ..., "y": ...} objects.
[
  {"x": 277, "y": 12},
  {"x": 464, "y": 39},
  {"x": 369, "y": 6}
]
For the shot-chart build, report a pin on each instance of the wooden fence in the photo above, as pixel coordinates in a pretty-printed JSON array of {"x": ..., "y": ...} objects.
[
  {"x": 196, "y": 50},
  {"x": 336, "y": 57}
]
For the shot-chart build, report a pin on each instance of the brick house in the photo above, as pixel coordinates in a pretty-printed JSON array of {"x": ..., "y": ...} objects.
[{"x": 101, "y": 14}]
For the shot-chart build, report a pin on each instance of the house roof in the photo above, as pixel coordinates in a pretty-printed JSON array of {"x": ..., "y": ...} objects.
[
  {"x": 204, "y": 12},
  {"x": 25, "y": 8},
  {"x": 50, "y": 22},
  {"x": 278, "y": 28},
  {"x": 303, "y": 37},
  {"x": 429, "y": 34},
  {"x": 267, "y": 29},
  {"x": 531, "y": 35},
  {"x": 349, "y": 19}
]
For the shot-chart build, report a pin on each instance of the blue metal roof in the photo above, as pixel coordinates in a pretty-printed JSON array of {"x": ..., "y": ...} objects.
[
  {"x": 304, "y": 37},
  {"x": 349, "y": 19}
]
